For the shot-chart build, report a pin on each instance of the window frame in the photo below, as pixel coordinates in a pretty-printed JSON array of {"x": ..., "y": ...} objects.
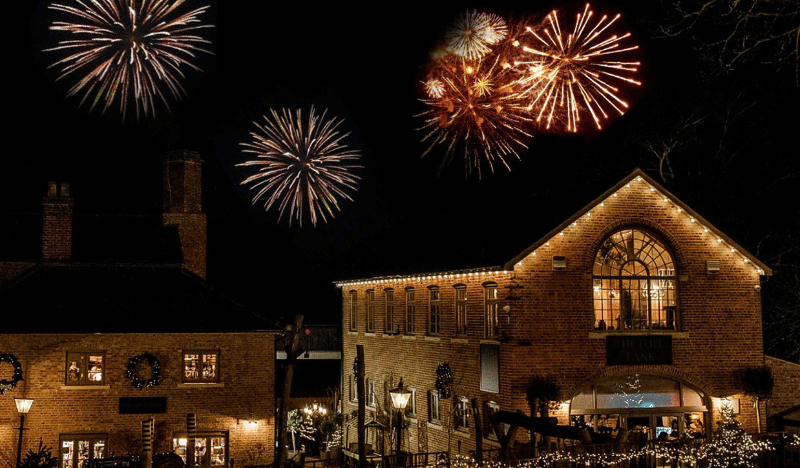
[
  {"x": 491, "y": 307},
  {"x": 372, "y": 399},
  {"x": 461, "y": 309},
  {"x": 83, "y": 379},
  {"x": 411, "y": 310},
  {"x": 657, "y": 289},
  {"x": 489, "y": 407},
  {"x": 353, "y": 388},
  {"x": 434, "y": 311},
  {"x": 208, "y": 435},
  {"x": 370, "y": 303},
  {"x": 353, "y": 326},
  {"x": 201, "y": 353},
  {"x": 434, "y": 407},
  {"x": 388, "y": 308},
  {"x": 461, "y": 415},
  {"x": 411, "y": 408},
  {"x": 75, "y": 438}
]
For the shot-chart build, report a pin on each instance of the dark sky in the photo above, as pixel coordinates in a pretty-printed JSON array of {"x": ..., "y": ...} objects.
[{"x": 363, "y": 64}]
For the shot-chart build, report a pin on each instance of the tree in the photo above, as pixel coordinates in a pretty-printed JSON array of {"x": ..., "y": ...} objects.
[{"x": 731, "y": 446}]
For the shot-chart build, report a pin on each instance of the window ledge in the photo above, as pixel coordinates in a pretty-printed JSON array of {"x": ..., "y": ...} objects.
[
  {"x": 432, "y": 338},
  {"x": 490, "y": 341},
  {"x": 352, "y": 332},
  {"x": 201, "y": 384},
  {"x": 600, "y": 335},
  {"x": 85, "y": 387},
  {"x": 435, "y": 425},
  {"x": 459, "y": 340},
  {"x": 409, "y": 337},
  {"x": 461, "y": 432},
  {"x": 372, "y": 333}
]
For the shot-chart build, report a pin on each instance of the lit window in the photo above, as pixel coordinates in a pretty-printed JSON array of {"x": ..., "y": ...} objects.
[
  {"x": 461, "y": 309},
  {"x": 434, "y": 317},
  {"x": 490, "y": 309},
  {"x": 434, "y": 409},
  {"x": 411, "y": 309},
  {"x": 411, "y": 408},
  {"x": 353, "y": 310},
  {"x": 201, "y": 366},
  {"x": 85, "y": 368},
  {"x": 370, "y": 310},
  {"x": 633, "y": 283},
  {"x": 78, "y": 449},
  {"x": 210, "y": 448},
  {"x": 389, "y": 304}
]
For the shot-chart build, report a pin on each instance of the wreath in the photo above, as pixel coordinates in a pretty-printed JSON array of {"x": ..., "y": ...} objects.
[
  {"x": 6, "y": 384},
  {"x": 444, "y": 380},
  {"x": 138, "y": 382}
]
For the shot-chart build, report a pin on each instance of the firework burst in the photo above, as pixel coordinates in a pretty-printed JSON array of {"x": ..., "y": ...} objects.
[
  {"x": 472, "y": 33},
  {"x": 476, "y": 110},
  {"x": 128, "y": 50},
  {"x": 303, "y": 164},
  {"x": 566, "y": 73}
]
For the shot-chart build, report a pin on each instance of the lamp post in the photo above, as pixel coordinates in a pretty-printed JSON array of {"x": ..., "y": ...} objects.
[
  {"x": 23, "y": 406},
  {"x": 400, "y": 397}
]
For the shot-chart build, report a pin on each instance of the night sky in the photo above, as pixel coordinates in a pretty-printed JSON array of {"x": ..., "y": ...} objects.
[{"x": 735, "y": 160}]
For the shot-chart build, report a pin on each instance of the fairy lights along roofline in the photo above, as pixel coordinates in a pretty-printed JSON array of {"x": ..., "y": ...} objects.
[{"x": 637, "y": 180}]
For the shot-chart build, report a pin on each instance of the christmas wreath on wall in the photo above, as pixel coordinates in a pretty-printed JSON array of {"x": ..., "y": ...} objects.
[
  {"x": 10, "y": 384},
  {"x": 133, "y": 375},
  {"x": 444, "y": 380}
]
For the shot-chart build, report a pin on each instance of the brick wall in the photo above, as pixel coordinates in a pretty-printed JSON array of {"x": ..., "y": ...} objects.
[
  {"x": 58, "y": 209},
  {"x": 549, "y": 330},
  {"x": 245, "y": 391},
  {"x": 786, "y": 393}
]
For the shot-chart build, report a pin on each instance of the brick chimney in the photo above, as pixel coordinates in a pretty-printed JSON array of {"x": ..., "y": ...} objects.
[
  {"x": 58, "y": 210},
  {"x": 183, "y": 206}
]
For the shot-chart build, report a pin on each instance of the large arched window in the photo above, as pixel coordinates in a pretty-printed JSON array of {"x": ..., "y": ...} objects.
[{"x": 634, "y": 283}]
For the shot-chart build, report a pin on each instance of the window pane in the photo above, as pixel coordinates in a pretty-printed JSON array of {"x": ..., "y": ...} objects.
[
  {"x": 191, "y": 365},
  {"x": 67, "y": 453},
  {"x": 490, "y": 368},
  {"x": 95, "y": 373},
  {"x": 217, "y": 451},
  {"x": 74, "y": 368},
  {"x": 638, "y": 392}
]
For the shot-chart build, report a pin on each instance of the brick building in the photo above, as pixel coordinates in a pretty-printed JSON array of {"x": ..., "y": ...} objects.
[
  {"x": 643, "y": 313},
  {"x": 115, "y": 302}
]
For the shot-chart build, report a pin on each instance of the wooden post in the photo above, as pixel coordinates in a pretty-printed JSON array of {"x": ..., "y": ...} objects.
[
  {"x": 147, "y": 443},
  {"x": 478, "y": 431},
  {"x": 362, "y": 449},
  {"x": 292, "y": 351},
  {"x": 191, "y": 434}
]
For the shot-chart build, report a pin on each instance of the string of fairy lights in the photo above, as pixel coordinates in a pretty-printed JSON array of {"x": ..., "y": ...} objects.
[{"x": 494, "y": 273}]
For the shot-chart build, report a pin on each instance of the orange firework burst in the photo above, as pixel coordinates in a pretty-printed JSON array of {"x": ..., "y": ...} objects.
[
  {"x": 567, "y": 73},
  {"x": 472, "y": 33},
  {"x": 471, "y": 105},
  {"x": 128, "y": 49},
  {"x": 302, "y": 164}
]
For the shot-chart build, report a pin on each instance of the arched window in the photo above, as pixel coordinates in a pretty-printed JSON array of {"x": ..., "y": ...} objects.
[{"x": 634, "y": 283}]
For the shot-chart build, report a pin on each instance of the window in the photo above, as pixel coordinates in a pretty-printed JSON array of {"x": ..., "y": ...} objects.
[
  {"x": 371, "y": 400},
  {"x": 389, "y": 304},
  {"x": 490, "y": 309},
  {"x": 353, "y": 388},
  {"x": 411, "y": 408},
  {"x": 78, "y": 449},
  {"x": 411, "y": 309},
  {"x": 85, "y": 368},
  {"x": 488, "y": 428},
  {"x": 490, "y": 368},
  {"x": 201, "y": 366},
  {"x": 633, "y": 283},
  {"x": 210, "y": 448},
  {"x": 434, "y": 317},
  {"x": 434, "y": 410},
  {"x": 353, "y": 310},
  {"x": 370, "y": 310},
  {"x": 461, "y": 309},
  {"x": 461, "y": 416}
]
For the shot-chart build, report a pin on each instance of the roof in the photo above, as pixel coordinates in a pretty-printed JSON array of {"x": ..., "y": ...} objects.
[
  {"x": 491, "y": 247},
  {"x": 120, "y": 298}
]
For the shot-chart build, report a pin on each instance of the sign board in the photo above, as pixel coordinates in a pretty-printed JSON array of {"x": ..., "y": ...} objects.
[
  {"x": 142, "y": 405},
  {"x": 637, "y": 350}
]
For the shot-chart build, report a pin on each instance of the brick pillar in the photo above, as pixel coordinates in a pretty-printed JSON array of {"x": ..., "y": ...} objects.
[
  {"x": 57, "y": 208},
  {"x": 183, "y": 207},
  {"x": 191, "y": 434},
  {"x": 147, "y": 443}
]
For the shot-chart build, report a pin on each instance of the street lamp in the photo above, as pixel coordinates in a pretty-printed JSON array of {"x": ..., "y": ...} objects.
[
  {"x": 400, "y": 397},
  {"x": 23, "y": 406}
]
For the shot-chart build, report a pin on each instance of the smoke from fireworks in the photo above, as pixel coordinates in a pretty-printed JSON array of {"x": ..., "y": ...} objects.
[
  {"x": 303, "y": 164},
  {"x": 566, "y": 73},
  {"x": 471, "y": 105},
  {"x": 128, "y": 50},
  {"x": 471, "y": 34}
]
